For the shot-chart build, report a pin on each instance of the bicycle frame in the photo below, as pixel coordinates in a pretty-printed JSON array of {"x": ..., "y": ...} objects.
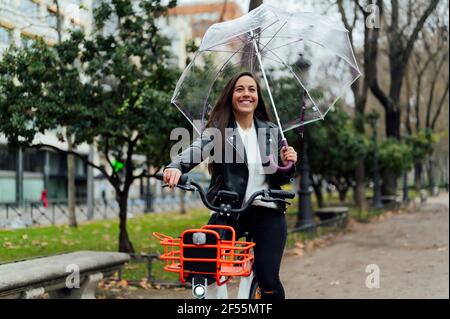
[{"x": 224, "y": 258}]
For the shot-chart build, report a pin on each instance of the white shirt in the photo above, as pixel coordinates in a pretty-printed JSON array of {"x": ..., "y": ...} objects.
[{"x": 256, "y": 176}]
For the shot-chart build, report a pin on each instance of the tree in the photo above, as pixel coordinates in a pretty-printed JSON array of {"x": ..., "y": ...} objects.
[
  {"x": 117, "y": 96},
  {"x": 338, "y": 148},
  {"x": 421, "y": 144},
  {"x": 360, "y": 89},
  {"x": 58, "y": 27},
  {"x": 427, "y": 87},
  {"x": 400, "y": 47},
  {"x": 401, "y": 40},
  {"x": 395, "y": 155}
]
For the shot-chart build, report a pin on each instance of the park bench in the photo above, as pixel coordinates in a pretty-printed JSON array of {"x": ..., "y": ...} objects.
[
  {"x": 391, "y": 201},
  {"x": 333, "y": 215},
  {"x": 67, "y": 276}
]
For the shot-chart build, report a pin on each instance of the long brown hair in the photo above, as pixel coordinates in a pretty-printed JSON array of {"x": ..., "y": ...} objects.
[{"x": 222, "y": 112}]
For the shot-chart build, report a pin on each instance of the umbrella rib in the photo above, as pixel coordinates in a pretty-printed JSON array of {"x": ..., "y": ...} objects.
[
  {"x": 212, "y": 83},
  {"x": 286, "y": 44},
  {"x": 273, "y": 36},
  {"x": 264, "y": 48},
  {"x": 336, "y": 54},
  {"x": 266, "y": 26},
  {"x": 353, "y": 65},
  {"x": 226, "y": 40},
  {"x": 300, "y": 81}
]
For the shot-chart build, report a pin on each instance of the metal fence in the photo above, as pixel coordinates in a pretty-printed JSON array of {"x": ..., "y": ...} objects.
[{"x": 13, "y": 216}]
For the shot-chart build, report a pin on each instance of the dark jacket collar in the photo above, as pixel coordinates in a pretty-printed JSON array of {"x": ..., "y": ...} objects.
[{"x": 237, "y": 142}]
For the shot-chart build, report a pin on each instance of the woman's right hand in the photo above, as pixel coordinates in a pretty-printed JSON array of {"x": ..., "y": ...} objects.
[{"x": 171, "y": 176}]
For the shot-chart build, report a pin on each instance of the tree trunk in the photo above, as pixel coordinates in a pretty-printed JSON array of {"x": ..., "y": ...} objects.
[
  {"x": 360, "y": 187},
  {"x": 431, "y": 181},
  {"x": 182, "y": 202},
  {"x": 317, "y": 186},
  {"x": 418, "y": 176},
  {"x": 71, "y": 190},
  {"x": 125, "y": 244},
  {"x": 254, "y": 4},
  {"x": 393, "y": 123},
  {"x": 343, "y": 194},
  {"x": 389, "y": 185}
]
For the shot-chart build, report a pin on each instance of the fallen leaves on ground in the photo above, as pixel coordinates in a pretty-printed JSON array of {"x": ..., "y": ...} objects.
[
  {"x": 308, "y": 246},
  {"x": 144, "y": 284}
]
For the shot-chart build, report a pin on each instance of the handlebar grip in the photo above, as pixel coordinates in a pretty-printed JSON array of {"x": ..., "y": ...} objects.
[
  {"x": 281, "y": 194},
  {"x": 182, "y": 181}
]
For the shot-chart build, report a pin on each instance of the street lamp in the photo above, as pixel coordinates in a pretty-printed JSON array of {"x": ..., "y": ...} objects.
[
  {"x": 405, "y": 187},
  {"x": 372, "y": 118},
  {"x": 148, "y": 193},
  {"x": 405, "y": 199},
  {"x": 305, "y": 213}
]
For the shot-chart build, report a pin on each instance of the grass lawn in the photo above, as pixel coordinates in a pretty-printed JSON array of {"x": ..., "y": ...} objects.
[
  {"x": 103, "y": 236},
  {"x": 99, "y": 235}
]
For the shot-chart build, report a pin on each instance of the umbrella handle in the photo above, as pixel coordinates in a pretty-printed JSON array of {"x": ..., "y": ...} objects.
[{"x": 282, "y": 169}]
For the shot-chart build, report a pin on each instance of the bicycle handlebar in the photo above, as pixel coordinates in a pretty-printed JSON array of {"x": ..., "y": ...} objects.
[{"x": 270, "y": 195}]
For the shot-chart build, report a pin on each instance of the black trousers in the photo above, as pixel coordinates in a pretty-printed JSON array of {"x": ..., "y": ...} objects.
[{"x": 267, "y": 228}]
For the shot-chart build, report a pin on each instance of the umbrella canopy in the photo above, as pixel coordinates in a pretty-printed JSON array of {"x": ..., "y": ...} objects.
[{"x": 304, "y": 60}]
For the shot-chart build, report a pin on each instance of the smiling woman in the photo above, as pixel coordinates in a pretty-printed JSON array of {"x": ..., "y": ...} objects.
[
  {"x": 245, "y": 100},
  {"x": 241, "y": 109}
]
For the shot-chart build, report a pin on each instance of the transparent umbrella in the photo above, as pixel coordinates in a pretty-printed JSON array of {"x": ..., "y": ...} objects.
[{"x": 304, "y": 60}]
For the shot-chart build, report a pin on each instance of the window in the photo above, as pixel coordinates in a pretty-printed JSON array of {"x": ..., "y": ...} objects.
[
  {"x": 5, "y": 36},
  {"x": 80, "y": 167},
  {"x": 58, "y": 164},
  {"x": 7, "y": 158},
  {"x": 33, "y": 160}
]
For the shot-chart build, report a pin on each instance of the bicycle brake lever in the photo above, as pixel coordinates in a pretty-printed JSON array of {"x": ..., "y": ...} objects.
[
  {"x": 187, "y": 188},
  {"x": 274, "y": 200}
]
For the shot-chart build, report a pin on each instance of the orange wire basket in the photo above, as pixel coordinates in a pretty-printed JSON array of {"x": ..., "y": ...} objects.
[{"x": 216, "y": 257}]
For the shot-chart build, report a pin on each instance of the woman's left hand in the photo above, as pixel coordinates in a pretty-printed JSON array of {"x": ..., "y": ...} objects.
[{"x": 288, "y": 154}]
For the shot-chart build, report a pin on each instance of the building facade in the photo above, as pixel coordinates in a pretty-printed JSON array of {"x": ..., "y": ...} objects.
[
  {"x": 26, "y": 173},
  {"x": 189, "y": 23}
]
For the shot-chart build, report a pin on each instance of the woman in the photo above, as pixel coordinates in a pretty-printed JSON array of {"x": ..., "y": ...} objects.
[{"x": 241, "y": 107}]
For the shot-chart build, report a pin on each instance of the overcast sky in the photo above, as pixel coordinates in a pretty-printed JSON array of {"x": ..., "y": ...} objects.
[
  {"x": 320, "y": 7},
  {"x": 242, "y": 3},
  {"x": 304, "y": 5}
]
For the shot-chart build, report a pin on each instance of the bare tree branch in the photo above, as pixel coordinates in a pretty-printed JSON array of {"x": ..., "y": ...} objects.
[
  {"x": 419, "y": 25},
  {"x": 439, "y": 106},
  {"x": 224, "y": 9},
  {"x": 433, "y": 86}
]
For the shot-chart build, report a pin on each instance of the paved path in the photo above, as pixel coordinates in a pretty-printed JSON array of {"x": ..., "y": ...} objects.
[{"x": 410, "y": 249}]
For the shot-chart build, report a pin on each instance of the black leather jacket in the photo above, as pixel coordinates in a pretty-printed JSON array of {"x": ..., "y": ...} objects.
[{"x": 234, "y": 176}]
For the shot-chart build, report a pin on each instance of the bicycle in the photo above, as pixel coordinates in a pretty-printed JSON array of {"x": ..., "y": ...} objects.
[{"x": 211, "y": 253}]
